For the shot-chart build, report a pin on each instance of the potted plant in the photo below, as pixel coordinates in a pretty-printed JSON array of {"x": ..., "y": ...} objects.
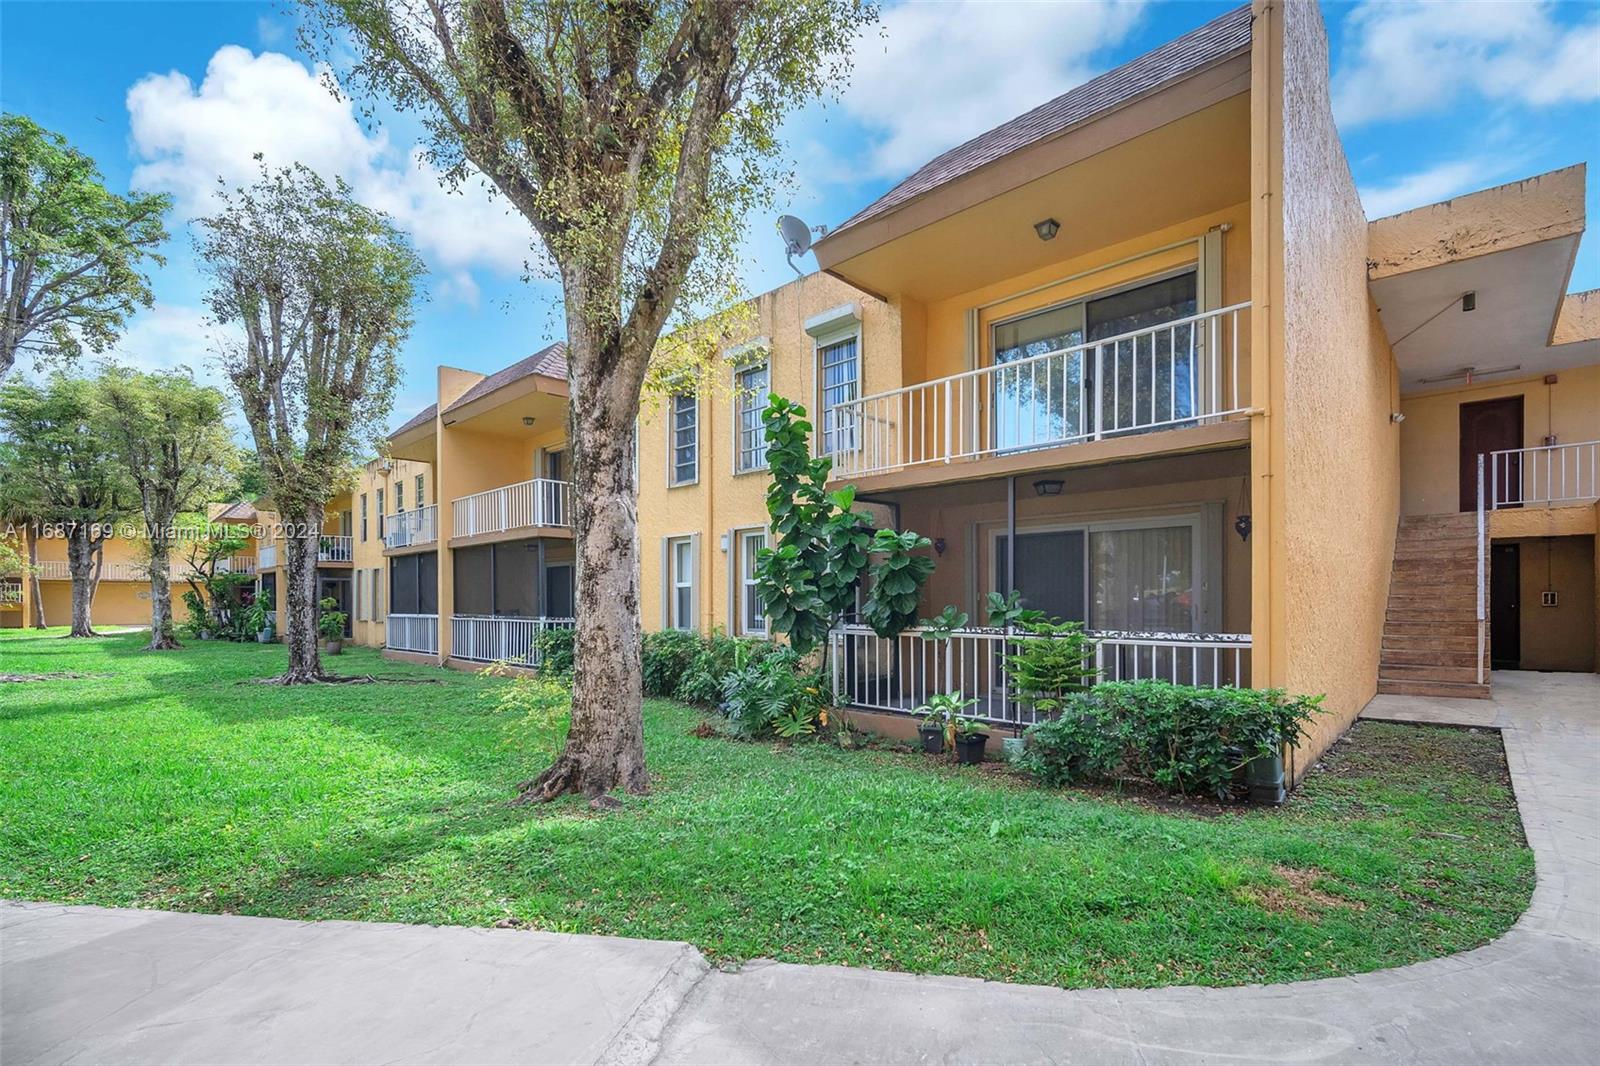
[
  {"x": 259, "y": 618},
  {"x": 331, "y": 625},
  {"x": 939, "y": 717},
  {"x": 969, "y": 741}
]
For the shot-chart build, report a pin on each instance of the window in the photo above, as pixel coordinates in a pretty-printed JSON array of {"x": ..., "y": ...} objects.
[
  {"x": 363, "y": 518},
  {"x": 752, "y": 617},
  {"x": 360, "y": 604},
  {"x": 751, "y": 385},
  {"x": 680, "y": 583},
  {"x": 380, "y": 514},
  {"x": 840, "y": 364},
  {"x": 399, "y": 497},
  {"x": 421, "y": 499},
  {"x": 377, "y": 594},
  {"x": 685, "y": 440}
]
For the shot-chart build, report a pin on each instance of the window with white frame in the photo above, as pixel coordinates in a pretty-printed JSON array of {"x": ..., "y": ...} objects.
[
  {"x": 419, "y": 490},
  {"x": 751, "y": 385},
  {"x": 680, "y": 583},
  {"x": 363, "y": 518},
  {"x": 752, "y": 617},
  {"x": 839, "y": 376},
  {"x": 360, "y": 604},
  {"x": 685, "y": 427},
  {"x": 377, "y": 594},
  {"x": 399, "y": 497}
]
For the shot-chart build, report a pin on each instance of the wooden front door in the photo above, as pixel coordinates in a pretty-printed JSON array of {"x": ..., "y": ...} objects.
[
  {"x": 1489, "y": 426},
  {"x": 1505, "y": 606}
]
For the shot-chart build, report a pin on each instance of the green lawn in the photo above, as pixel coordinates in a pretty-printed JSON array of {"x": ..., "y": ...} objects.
[{"x": 164, "y": 781}]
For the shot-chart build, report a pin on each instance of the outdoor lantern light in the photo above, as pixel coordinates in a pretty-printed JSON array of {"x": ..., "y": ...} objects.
[
  {"x": 938, "y": 545},
  {"x": 1241, "y": 526},
  {"x": 527, "y": 420},
  {"x": 1047, "y": 229},
  {"x": 1469, "y": 301},
  {"x": 1047, "y": 487}
]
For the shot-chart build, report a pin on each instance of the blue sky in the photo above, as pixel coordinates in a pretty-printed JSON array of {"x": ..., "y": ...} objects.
[{"x": 1433, "y": 100}]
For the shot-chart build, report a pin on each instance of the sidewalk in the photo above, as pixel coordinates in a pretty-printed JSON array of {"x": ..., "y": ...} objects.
[{"x": 83, "y": 984}]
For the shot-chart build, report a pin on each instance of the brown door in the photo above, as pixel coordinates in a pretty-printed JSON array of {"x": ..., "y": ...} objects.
[{"x": 1490, "y": 426}]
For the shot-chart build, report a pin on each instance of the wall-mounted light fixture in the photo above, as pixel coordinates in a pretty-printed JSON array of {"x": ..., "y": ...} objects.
[
  {"x": 1469, "y": 301},
  {"x": 1397, "y": 417},
  {"x": 527, "y": 420},
  {"x": 1047, "y": 229},
  {"x": 1047, "y": 487},
  {"x": 938, "y": 545},
  {"x": 1241, "y": 526}
]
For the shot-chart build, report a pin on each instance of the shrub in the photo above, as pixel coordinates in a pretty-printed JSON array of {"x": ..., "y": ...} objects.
[
  {"x": 666, "y": 657},
  {"x": 1047, "y": 667},
  {"x": 556, "y": 651},
  {"x": 773, "y": 695},
  {"x": 538, "y": 708},
  {"x": 1188, "y": 740}
]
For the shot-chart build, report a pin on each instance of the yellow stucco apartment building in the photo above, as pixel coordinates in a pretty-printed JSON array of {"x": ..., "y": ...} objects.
[{"x": 1137, "y": 354}]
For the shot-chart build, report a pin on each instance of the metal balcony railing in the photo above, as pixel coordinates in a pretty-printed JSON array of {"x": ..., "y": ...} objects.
[
  {"x": 1181, "y": 373},
  {"x": 540, "y": 502},
  {"x": 407, "y": 528}
]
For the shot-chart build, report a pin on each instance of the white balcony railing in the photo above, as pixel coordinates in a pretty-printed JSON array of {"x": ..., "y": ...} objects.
[
  {"x": 417, "y": 526},
  {"x": 335, "y": 549},
  {"x": 900, "y": 674},
  {"x": 1182, "y": 373},
  {"x": 540, "y": 502},
  {"x": 267, "y": 556},
  {"x": 10, "y": 594},
  {"x": 238, "y": 564},
  {"x": 1553, "y": 474},
  {"x": 494, "y": 639},
  {"x": 58, "y": 570},
  {"x": 412, "y": 632}
]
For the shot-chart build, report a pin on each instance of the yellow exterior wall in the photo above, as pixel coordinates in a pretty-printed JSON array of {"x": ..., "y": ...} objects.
[
  {"x": 1561, "y": 637},
  {"x": 1330, "y": 460},
  {"x": 368, "y": 612},
  {"x": 722, "y": 501},
  {"x": 1430, "y": 437}
]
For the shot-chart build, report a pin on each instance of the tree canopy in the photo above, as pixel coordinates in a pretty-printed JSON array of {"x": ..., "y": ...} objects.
[{"x": 72, "y": 253}]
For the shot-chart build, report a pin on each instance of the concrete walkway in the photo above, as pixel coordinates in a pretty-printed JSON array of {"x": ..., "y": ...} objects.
[{"x": 83, "y": 984}]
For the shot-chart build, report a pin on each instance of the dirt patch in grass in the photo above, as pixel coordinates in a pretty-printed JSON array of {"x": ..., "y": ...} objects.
[
  {"x": 18, "y": 679},
  {"x": 1298, "y": 895}
]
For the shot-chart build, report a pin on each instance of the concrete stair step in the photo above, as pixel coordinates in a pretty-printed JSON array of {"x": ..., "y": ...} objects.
[
  {"x": 1429, "y": 672},
  {"x": 1466, "y": 643},
  {"x": 1459, "y": 620},
  {"x": 1408, "y": 687},
  {"x": 1413, "y": 657},
  {"x": 1408, "y": 628}
]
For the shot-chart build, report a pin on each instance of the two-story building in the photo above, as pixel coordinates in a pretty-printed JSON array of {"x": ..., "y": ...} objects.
[{"x": 1139, "y": 356}]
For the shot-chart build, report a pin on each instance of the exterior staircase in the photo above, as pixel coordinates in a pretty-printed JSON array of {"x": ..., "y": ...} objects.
[{"x": 1430, "y": 632}]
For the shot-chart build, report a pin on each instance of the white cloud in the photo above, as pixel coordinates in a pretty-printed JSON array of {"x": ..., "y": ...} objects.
[
  {"x": 1429, "y": 186},
  {"x": 1413, "y": 58},
  {"x": 187, "y": 136},
  {"x": 940, "y": 74}
]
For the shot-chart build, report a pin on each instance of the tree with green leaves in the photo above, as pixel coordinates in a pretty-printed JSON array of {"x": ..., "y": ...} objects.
[
  {"x": 634, "y": 136},
  {"x": 171, "y": 435},
  {"x": 81, "y": 491},
  {"x": 827, "y": 551},
  {"x": 19, "y": 514},
  {"x": 316, "y": 290},
  {"x": 72, "y": 253}
]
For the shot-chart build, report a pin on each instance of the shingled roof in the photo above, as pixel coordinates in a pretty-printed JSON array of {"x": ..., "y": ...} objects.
[
  {"x": 243, "y": 511},
  {"x": 423, "y": 416},
  {"x": 549, "y": 362},
  {"x": 1219, "y": 39}
]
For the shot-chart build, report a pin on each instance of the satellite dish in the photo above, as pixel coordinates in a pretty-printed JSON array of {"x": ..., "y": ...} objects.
[{"x": 796, "y": 238}]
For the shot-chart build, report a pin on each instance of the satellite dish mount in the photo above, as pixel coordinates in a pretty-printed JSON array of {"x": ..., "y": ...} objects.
[{"x": 797, "y": 238}]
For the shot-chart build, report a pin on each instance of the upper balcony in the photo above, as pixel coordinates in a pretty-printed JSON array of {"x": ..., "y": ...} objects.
[
  {"x": 415, "y": 528},
  {"x": 1183, "y": 379},
  {"x": 331, "y": 548},
  {"x": 538, "y": 505}
]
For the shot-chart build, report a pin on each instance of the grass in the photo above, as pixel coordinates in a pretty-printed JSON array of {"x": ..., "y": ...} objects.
[{"x": 166, "y": 780}]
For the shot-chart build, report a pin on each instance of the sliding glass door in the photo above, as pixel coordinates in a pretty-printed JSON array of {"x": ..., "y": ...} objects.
[{"x": 1133, "y": 576}]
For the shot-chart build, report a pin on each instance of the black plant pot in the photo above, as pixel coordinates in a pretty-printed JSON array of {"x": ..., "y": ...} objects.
[
  {"x": 932, "y": 740},
  {"x": 969, "y": 748}
]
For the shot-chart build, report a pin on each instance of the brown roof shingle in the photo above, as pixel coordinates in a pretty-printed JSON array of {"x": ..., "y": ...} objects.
[
  {"x": 425, "y": 415},
  {"x": 550, "y": 362},
  {"x": 1218, "y": 39}
]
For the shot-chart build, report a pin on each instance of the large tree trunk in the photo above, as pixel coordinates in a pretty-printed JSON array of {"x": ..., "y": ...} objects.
[
  {"x": 80, "y": 566},
  {"x": 31, "y": 535},
  {"x": 302, "y": 539},
  {"x": 162, "y": 636},
  {"x": 605, "y": 743}
]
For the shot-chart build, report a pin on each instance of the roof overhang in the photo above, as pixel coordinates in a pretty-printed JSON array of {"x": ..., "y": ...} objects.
[
  {"x": 415, "y": 443},
  {"x": 503, "y": 411},
  {"x": 1513, "y": 248},
  {"x": 1173, "y": 154}
]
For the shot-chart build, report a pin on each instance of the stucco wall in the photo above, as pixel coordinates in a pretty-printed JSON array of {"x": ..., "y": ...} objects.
[
  {"x": 722, "y": 501},
  {"x": 1561, "y": 637},
  {"x": 1338, "y": 460},
  {"x": 1430, "y": 438}
]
